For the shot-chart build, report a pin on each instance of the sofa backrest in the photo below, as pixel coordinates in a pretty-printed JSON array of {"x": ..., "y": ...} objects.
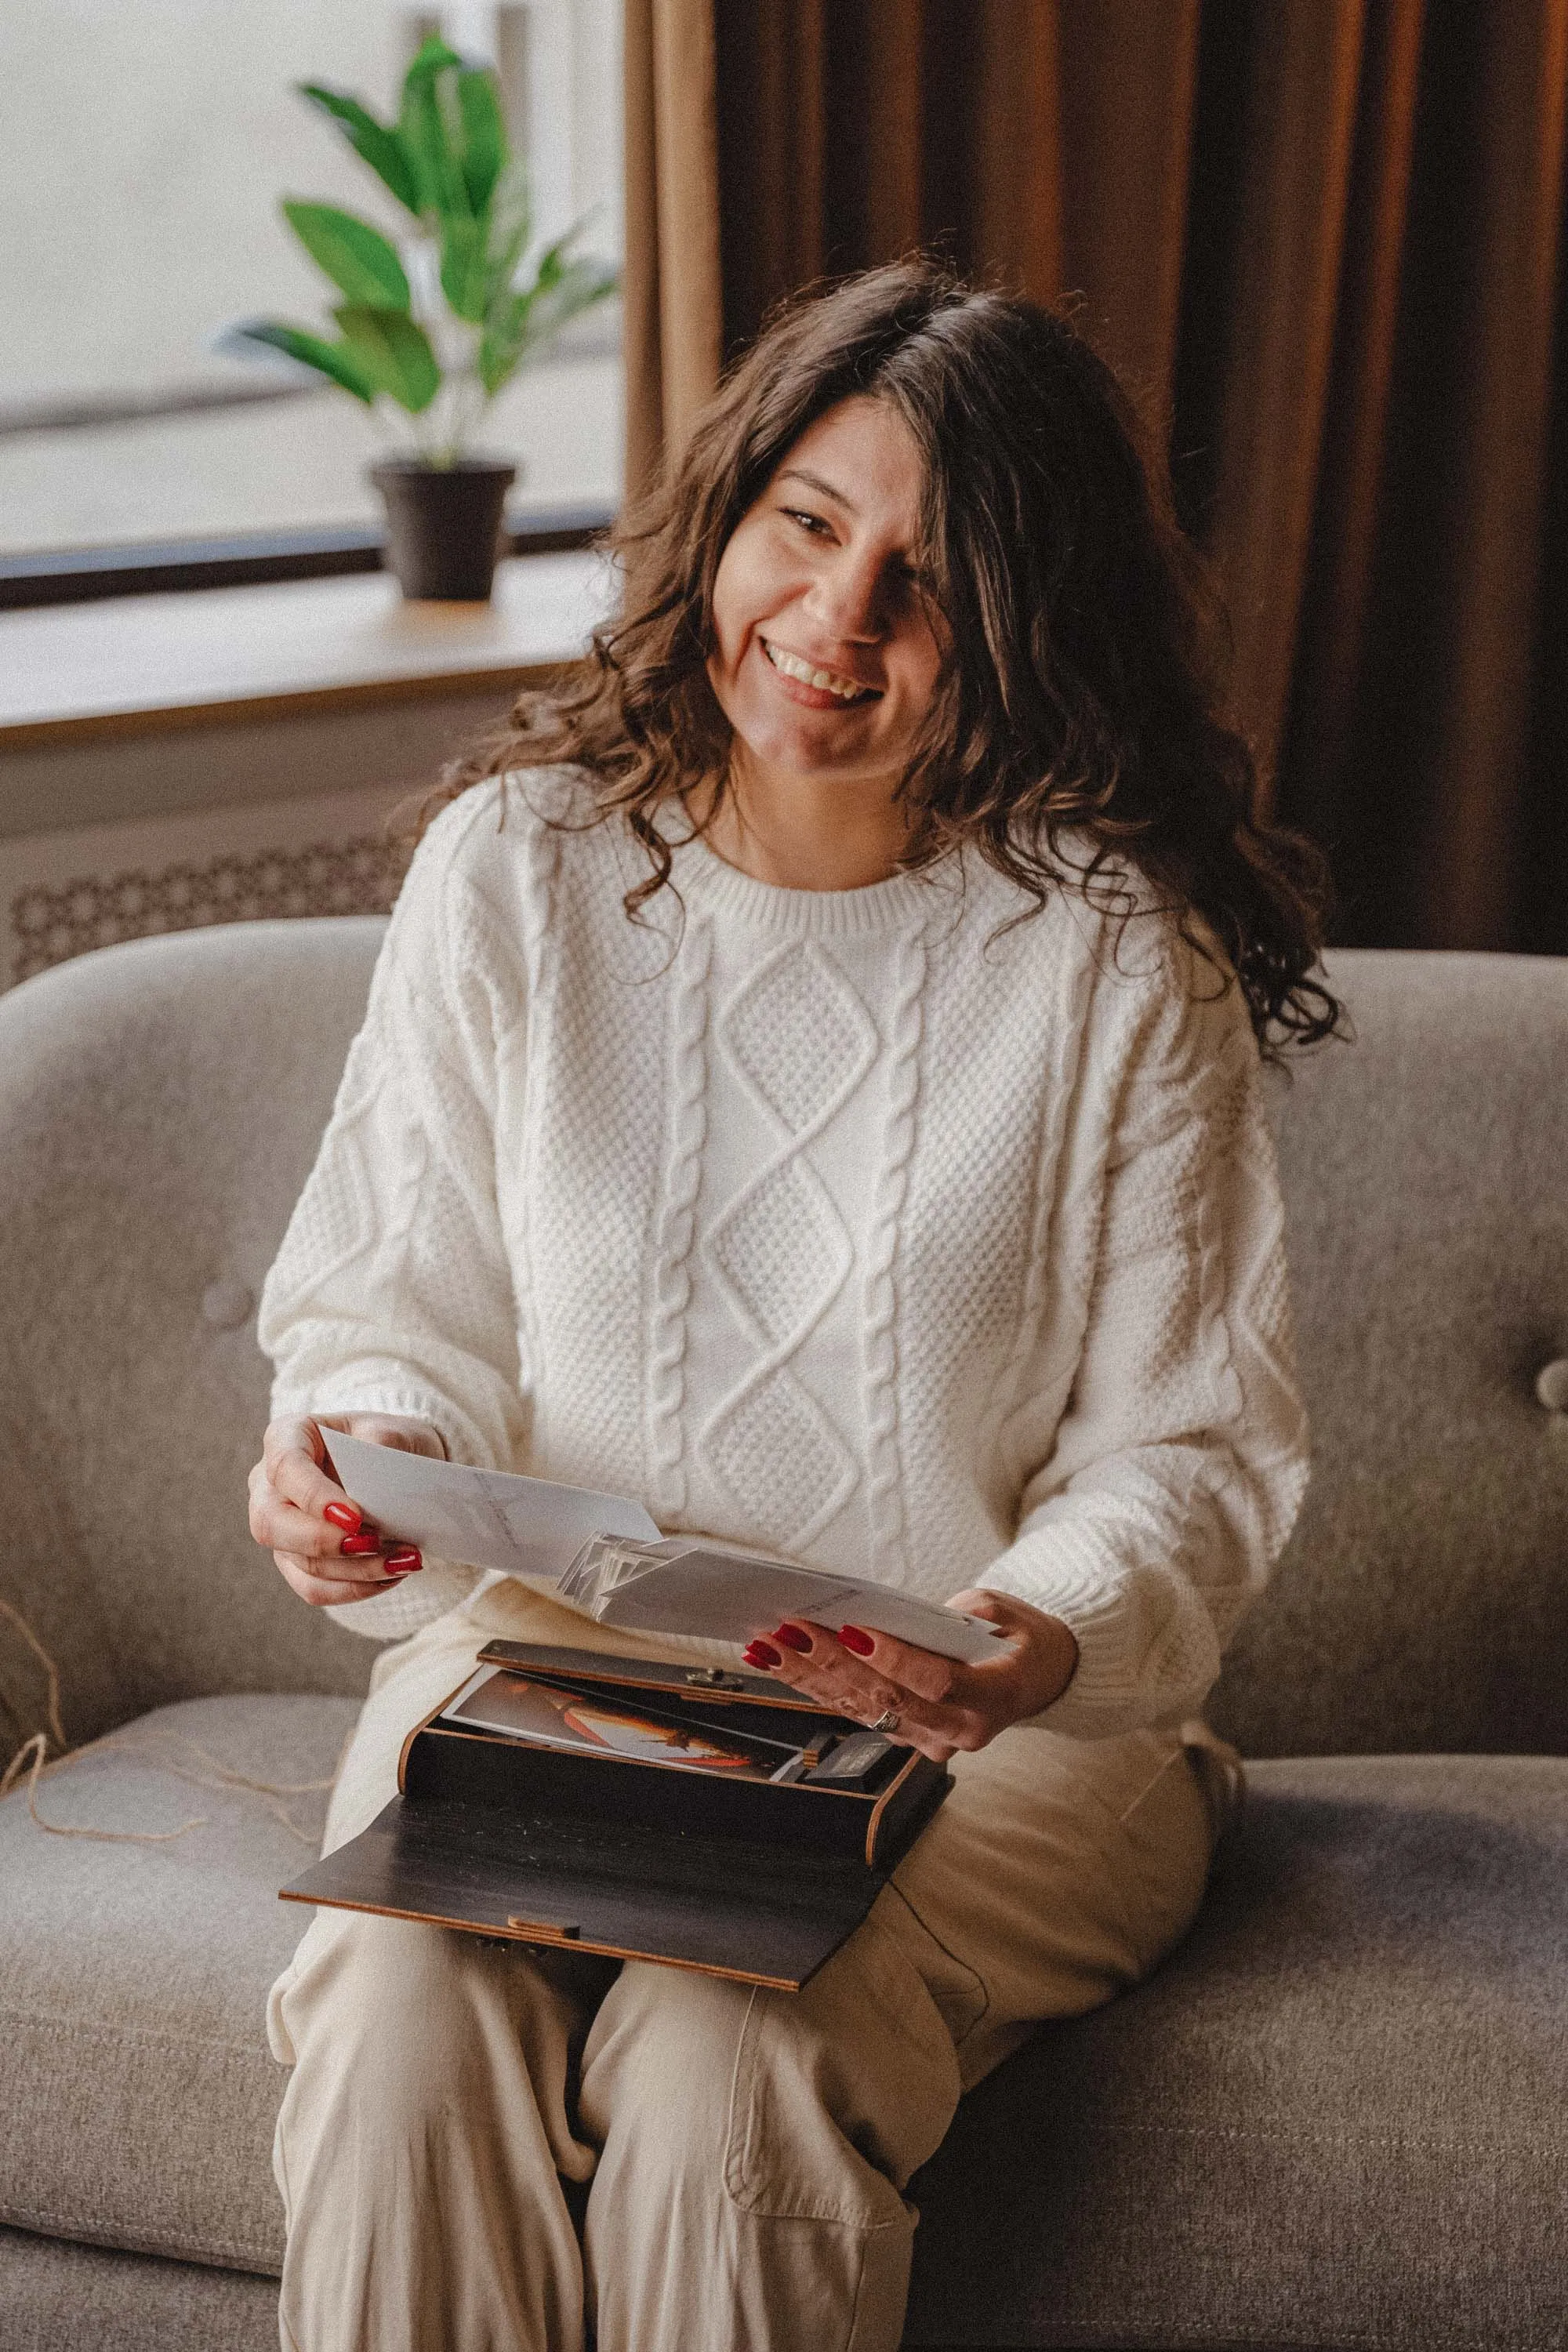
[
  {"x": 1423, "y": 1602},
  {"x": 159, "y": 1104}
]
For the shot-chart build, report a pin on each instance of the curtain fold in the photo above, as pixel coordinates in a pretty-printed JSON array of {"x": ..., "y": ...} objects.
[
  {"x": 1503, "y": 404},
  {"x": 1321, "y": 240},
  {"x": 1298, "y": 123},
  {"x": 1129, "y": 92},
  {"x": 673, "y": 300}
]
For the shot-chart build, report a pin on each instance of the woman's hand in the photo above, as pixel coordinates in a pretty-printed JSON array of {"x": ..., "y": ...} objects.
[
  {"x": 941, "y": 1705},
  {"x": 324, "y": 1545}
]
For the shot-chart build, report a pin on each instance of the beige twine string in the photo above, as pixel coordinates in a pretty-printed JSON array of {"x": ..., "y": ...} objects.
[{"x": 33, "y": 1758}]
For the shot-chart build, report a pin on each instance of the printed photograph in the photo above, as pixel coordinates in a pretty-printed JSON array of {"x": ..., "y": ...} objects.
[{"x": 530, "y": 1710}]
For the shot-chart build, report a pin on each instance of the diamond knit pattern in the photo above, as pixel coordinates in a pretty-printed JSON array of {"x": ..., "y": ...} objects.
[
  {"x": 801, "y": 1038},
  {"x": 800, "y": 1041},
  {"x": 783, "y": 1252}
]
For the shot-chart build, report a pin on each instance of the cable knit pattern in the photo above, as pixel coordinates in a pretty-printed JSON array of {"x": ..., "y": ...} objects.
[
  {"x": 885, "y": 1493},
  {"x": 854, "y": 1225},
  {"x": 672, "y": 1248}
]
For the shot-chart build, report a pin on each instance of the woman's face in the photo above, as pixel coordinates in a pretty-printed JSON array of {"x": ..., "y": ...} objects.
[{"x": 826, "y": 650}]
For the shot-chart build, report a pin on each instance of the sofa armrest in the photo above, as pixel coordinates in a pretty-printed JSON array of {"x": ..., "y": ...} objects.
[{"x": 159, "y": 1104}]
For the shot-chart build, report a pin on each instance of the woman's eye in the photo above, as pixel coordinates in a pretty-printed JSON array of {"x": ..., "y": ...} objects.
[{"x": 816, "y": 524}]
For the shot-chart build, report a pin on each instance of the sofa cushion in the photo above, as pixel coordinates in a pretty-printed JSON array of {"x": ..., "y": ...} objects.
[
  {"x": 58, "y": 2297},
  {"x": 139, "y": 2092},
  {"x": 1334, "y": 2119}
]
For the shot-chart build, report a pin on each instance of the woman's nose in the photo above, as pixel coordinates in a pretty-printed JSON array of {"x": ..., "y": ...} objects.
[{"x": 847, "y": 600}]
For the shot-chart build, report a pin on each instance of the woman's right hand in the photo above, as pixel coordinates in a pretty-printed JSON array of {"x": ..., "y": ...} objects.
[{"x": 323, "y": 1544}]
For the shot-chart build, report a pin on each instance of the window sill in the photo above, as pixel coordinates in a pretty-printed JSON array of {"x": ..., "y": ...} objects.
[{"x": 150, "y": 665}]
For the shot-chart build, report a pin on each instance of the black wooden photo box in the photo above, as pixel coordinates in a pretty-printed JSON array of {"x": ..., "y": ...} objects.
[{"x": 683, "y": 1814}]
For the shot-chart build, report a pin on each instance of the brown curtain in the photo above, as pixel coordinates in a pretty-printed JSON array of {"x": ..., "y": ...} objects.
[
  {"x": 1323, "y": 240},
  {"x": 674, "y": 330}
]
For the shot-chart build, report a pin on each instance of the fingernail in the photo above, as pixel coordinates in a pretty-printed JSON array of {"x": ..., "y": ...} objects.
[
  {"x": 853, "y": 1639},
  {"x": 762, "y": 1654},
  {"x": 344, "y": 1515},
  {"x": 357, "y": 1545},
  {"x": 794, "y": 1637},
  {"x": 405, "y": 1556}
]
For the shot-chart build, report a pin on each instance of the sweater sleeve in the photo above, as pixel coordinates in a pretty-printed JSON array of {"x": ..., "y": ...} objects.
[
  {"x": 1178, "y": 1467},
  {"x": 393, "y": 1292}
]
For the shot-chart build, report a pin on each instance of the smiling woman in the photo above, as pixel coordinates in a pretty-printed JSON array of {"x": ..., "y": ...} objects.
[
  {"x": 811, "y": 1083},
  {"x": 825, "y": 655},
  {"x": 942, "y": 494}
]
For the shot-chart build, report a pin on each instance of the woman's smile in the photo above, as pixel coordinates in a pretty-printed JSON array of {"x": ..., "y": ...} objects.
[
  {"x": 825, "y": 651},
  {"x": 818, "y": 688}
]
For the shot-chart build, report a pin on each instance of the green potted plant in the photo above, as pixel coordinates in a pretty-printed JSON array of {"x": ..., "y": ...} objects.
[{"x": 439, "y": 322}]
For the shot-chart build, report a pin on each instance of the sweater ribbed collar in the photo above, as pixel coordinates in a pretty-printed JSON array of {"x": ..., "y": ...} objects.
[{"x": 901, "y": 903}]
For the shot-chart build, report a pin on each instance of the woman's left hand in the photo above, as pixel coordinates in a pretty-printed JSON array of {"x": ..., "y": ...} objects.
[{"x": 941, "y": 1705}]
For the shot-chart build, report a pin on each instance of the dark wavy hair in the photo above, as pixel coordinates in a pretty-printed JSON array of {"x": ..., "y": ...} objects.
[{"x": 1077, "y": 734}]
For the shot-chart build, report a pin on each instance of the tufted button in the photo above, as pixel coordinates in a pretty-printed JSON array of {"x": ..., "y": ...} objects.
[
  {"x": 227, "y": 1304},
  {"x": 1552, "y": 1385}
]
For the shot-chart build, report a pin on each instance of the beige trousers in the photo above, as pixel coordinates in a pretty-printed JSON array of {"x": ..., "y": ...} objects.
[{"x": 748, "y": 2150}]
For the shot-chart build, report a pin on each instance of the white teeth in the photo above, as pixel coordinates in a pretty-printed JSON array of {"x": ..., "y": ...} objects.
[{"x": 823, "y": 679}]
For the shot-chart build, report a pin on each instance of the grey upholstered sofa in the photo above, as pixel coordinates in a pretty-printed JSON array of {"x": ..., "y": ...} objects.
[{"x": 1338, "y": 2117}]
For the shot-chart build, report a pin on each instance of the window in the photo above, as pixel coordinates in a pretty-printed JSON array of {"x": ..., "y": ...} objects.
[{"x": 143, "y": 153}]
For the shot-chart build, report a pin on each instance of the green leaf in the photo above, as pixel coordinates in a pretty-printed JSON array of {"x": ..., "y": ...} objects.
[
  {"x": 484, "y": 133},
  {"x": 393, "y": 351},
  {"x": 500, "y": 356},
  {"x": 530, "y": 321},
  {"x": 357, "y": 258},
  {"x": 466, "y": 276},
  {"x": 422, "y": 129},
  {"x": 511, "y": 218},
  {"x": 433, "y": 56},
  {"x": 334, "y": 359},
  {"x": 372, "y": 141}
]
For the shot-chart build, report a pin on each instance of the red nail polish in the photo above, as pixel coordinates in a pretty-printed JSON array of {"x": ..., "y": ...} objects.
[
  {"x": 345, "y": 1516},
  {"x": 406, "y": 1557},
  {"x": 762, "y": 1654},
  {"x": 356, "y": 1546},
  {"x": 853, "y": 1639},
  {"x": 794, "y": 1637}
]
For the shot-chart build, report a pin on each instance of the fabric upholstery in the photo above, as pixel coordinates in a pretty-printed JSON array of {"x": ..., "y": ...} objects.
[
  {"x": 1334, "y": 2119},
  {"x": 159, "y": 1104},
  {"x": 138, "y": 2089},
  {"x": 1421, "y": 1602},
  {"x": 63, "y": 2298}
]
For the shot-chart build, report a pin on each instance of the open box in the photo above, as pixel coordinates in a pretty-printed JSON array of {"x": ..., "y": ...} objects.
[{"x": 685, "y": 1844}]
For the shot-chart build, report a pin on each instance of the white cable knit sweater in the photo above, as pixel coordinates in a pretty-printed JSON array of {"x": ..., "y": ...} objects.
[{"x": 830, "y": 1222}]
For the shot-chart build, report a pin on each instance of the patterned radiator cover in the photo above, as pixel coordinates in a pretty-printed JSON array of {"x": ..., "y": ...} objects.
[
  {"x": 348, "y": 878},
  {"x": 63, "y": 894}
]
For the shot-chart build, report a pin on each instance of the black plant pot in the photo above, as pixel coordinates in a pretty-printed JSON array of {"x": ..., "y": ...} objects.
[{"x": 444, "y": 524}]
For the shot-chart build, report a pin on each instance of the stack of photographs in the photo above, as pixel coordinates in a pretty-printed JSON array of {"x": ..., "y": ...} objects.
[{"x": 551, "y": 1712}]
